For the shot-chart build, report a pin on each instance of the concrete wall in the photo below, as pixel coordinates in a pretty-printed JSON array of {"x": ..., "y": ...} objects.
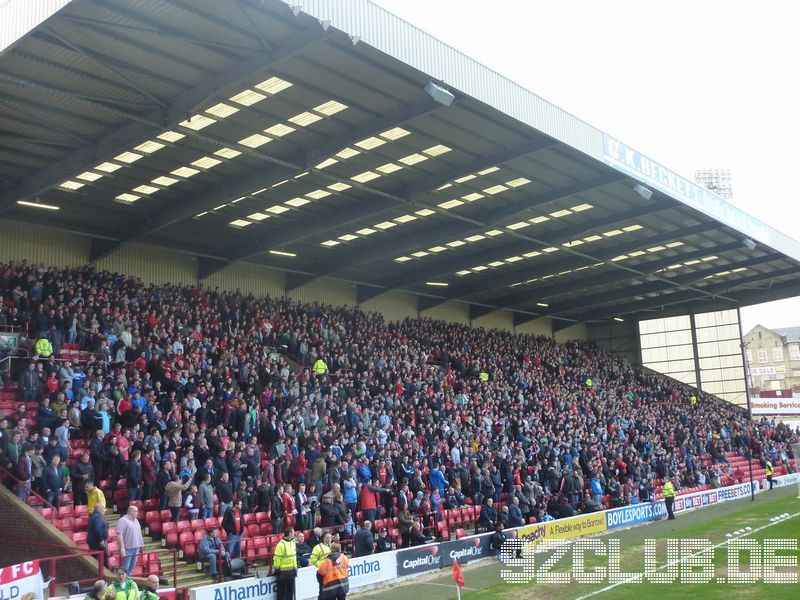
[
  {"x": 152, "y": 265},
  {"x": 499, "y": 319},
  {"x": 621, "y": 339},
  {"x": 394, "y": 306},
  {"x": 542, "y": 326},
  {"x": 575, "y": 332},
  {"x": 453, "y": 312}
]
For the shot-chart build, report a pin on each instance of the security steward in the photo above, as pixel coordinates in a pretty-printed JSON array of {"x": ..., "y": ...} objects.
[
  {"x": 284, "y": 565},
  {"x": 124, "y": 587},
  {"x": 333, "y": 575},
  {"x": 150, "y": 591},
  {"x": 769, "y": 470},
  {"x": 668, "y": 491}
]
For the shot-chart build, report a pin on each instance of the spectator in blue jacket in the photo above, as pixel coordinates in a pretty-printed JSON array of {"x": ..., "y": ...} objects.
[{"x": 438, "y": 480}]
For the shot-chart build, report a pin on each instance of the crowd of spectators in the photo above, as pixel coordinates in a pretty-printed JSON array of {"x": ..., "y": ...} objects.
[{"x": 189, "y": 394}]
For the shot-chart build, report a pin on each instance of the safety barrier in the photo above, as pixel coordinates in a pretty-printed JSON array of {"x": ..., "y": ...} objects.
[{"x": 378, "y": 569}]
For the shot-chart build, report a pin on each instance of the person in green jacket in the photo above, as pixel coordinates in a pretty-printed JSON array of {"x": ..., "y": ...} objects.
[
  {"x": 98, "y": 591},
  {"x": 150, "y": 591},
  {"x": 124, "y": 586}
]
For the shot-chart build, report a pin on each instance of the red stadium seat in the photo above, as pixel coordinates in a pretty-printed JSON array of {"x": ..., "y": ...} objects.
[
  {"x": 169, "y": 534},
  {"x": 187, "y": 544}
]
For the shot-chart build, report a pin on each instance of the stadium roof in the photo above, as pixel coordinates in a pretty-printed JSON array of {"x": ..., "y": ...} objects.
[{"x": 336, "y": 140}]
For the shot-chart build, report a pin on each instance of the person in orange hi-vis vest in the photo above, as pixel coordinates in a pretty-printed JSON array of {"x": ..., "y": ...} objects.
[{"x": 332, "y": 574}]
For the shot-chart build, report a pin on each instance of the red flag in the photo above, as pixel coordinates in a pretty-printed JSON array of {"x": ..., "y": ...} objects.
[{"x": 457, "y": 575}]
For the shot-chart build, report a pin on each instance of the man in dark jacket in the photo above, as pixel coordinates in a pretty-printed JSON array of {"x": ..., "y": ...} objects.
[
  {"x": 488, "y": 516},
  {"x": 98, "y": 455},
  {"x": 53, "y": 481},
  {"x": 80, "y": 473},
  {"x": 97, "y": 532},
  {"x": 498, "y": 539},
  {"x": 134, "y": 476},
  {"x": 363, "y": 541},
  {"x": 45, "y": 416},
  {"x": 515, "y": 518}
]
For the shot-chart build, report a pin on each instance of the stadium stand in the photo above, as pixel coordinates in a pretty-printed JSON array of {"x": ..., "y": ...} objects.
[{"x": 250, "y": 398}]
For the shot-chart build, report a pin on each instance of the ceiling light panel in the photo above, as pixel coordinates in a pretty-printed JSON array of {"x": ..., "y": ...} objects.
[
  {"x": 258, "y": 216},
  {"x": 185, "y": 172},
  {"x": 318, "y": 194},
  {"x": 227, "y": 153},
  {"x": 437, "y": 150},
  {"x": 171, "y": 136},
  {"x": 107, "y": 167},
  {"x": 331, "y": 107},
  {"x": 254, "y": 141},
  {"x": 128, "y": 157},
  {"x": 222, "y": 110},
  {"x": 207, "y": 162},
  {"x": 279, "y": 130},
  {"x": 298, "y": 202},
  {"x": 126, "y": 197},
  {"x": 413, "y": 159},
  {"x": 165, "y": 181},
  {"x": 395, "y": 133},
  {"x": 326, "y": 163},
  {"x": 149, "y": 147},
  {"x": 197, "y": 122},
  {"x": 146, "y": 189},
  {"x": 273, "y": 85},
  {"x": 89, "y": 176},
  {"x": 365, "y": 176},
  {"x": 240, "y": 223},
  {"x": 247, "y": 97},
  {"x": 304, "y": 119},
  {"x": 348, "y": 237}
]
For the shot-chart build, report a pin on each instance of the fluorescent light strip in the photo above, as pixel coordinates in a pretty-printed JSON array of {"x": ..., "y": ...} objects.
[
  {"x": 282, "y": 253},
  {"x": 38, "y": 205}
]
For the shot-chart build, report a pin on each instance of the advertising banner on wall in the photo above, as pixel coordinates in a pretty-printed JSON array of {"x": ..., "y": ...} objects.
[
  {"x": 465, "y": 550},
  {"x": 22, "y": 582},
  {"x": 242, "y": 589},
  {"x": 563, "y": 529},
  {"x": 418, "y": 560},
  {"x": 775, "y": 406},
  {"x": 633, "y": 515}
]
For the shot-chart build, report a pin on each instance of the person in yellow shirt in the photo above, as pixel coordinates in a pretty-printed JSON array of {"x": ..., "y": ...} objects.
[
  {"x": 94, "y": 495},
  {"x": 668, "y": 491}
]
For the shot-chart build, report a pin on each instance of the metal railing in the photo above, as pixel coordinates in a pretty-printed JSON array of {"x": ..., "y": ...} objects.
[{"x": 53, "y": 562}]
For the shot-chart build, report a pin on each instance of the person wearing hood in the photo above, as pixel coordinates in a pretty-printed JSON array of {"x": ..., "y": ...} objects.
[{"x": 332, "y": 575}]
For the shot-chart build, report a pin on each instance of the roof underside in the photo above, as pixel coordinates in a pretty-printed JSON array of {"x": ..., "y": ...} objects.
[{"x": 232, "y": 129}]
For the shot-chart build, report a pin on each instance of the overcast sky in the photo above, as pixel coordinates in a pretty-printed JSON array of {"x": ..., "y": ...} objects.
[{"x": 693, "y": 84}]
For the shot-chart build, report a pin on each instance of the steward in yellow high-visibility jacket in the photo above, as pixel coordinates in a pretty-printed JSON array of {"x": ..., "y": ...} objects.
[
  {"x": 770, "y": 470},
  {"x": 484, "y": 376},
  {"x": 319, "y": 553},
  {"x": 668, "y": 491},
  {"x": 43, "y": 347},
  {"x": 284, "y": 565},
  {"x": 124, "y": 586},
  {"x": 320, "y": 367}
]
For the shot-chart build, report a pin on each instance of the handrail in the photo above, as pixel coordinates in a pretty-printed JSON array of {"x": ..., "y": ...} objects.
[
  {"x": 53, "y": 560},
  {"x": 9, "y": 474}
]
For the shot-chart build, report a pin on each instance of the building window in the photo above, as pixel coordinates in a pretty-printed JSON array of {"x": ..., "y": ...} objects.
[
  {"x": 777, "y": 354},
  {"x": 762, "y": 355},
  {"x": 748, "y": 356},
  {"x": 794, "y": 351}
]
